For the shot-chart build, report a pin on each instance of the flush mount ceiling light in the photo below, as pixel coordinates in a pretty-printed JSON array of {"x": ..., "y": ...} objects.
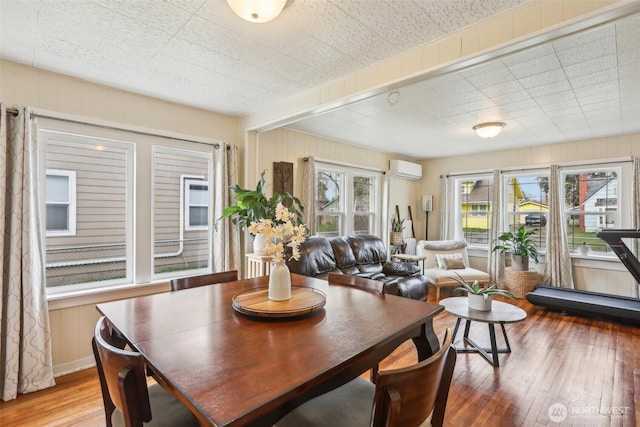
[
  {"x": 257, "y": 11},
  {"x": 489, "y": 129},
  {"x": 393, "y": 97}
]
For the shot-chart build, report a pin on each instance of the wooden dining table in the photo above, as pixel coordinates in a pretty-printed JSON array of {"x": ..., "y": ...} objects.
[{"x": 234, "y": 369}]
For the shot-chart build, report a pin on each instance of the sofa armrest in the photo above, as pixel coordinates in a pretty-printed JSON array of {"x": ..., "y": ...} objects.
[{"x": 393, "y": 268}]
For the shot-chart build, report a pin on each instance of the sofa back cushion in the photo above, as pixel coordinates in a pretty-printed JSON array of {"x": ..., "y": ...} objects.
[
  {"x": 369, "y": 251},
  {"x": 431, "y": 248},
  {"x": 316, "y": 258},
  {"x": 345, "y": 260}
]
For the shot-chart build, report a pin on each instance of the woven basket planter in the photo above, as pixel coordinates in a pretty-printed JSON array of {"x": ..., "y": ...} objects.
[{"x": 519, "y": 283}]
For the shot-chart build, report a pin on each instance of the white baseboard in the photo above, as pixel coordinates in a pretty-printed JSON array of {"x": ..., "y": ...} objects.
[{"x": 74, "y": 366}]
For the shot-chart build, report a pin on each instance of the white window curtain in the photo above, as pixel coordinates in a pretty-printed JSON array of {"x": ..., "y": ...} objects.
[
  {"x": 25, "y": 339},
  {"x": 445, "y": 206},
  {"x": 635, "y": 217},
  {"x": 226, "y": 237},
  {"x": 495, "y": 260},
  {"x": 308, "y": 194},
  {"x": 558, "y": 272}
]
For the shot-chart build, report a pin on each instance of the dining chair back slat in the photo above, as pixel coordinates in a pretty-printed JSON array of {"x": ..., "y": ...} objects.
[
  {"x": 411, "y": 396},
  {"x": 128, "y": 401},
  {"x": 203, "y": 280}
]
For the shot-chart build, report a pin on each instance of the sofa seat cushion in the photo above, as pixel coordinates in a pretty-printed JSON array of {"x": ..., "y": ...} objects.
[{"x": 441, "y": 277}]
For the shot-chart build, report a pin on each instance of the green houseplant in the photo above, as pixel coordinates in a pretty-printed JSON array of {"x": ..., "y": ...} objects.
[
  {"x": 397, "y": 225},
  {"x": 253, "y": 205},
  {"x": 520, "y": 245},
  {"x": 479, "y": 297}
]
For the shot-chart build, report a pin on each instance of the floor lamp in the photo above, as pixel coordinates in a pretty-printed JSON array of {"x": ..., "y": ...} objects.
[{"x": 427, "y": 206}]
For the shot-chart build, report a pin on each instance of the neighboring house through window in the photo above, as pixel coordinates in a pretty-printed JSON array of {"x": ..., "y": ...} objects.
[
  {"x": 122, "y": 207},
  {"x": 473, "y": 208},
  {"x": 197, "y": 204},
  {"x": 592, "y": 203},
  {"x": 61, "y": 203},
  {"x": 595, "y": 197}
]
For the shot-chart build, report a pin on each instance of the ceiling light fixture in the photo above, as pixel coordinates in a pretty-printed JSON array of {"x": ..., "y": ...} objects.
[
  {"x": 489, "y": 129},
  {"x": 257, "y": 11}
]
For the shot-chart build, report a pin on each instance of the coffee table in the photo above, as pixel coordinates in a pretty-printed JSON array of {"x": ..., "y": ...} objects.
[{"x": 500, "y": 313}]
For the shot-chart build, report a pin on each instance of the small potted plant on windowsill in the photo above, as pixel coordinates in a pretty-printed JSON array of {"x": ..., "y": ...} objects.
[
  {"x": 584, "y": 249},
  {"x": 521, "y": 247},
  {"x": 479, "y": 297}
]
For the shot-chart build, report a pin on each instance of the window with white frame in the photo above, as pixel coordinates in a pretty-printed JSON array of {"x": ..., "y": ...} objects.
[
  {"x": 129, "y": 198},
  {"x": 592, "y": 202},
  {"x": 593, "y": 199},
  {"x": 181, "y": 236},
  {"x": 526, "y": 203},
  {"x": 347, "y": 201},
  {"x": 473, "y": 195},
  {"x": 60, "y": 203}
]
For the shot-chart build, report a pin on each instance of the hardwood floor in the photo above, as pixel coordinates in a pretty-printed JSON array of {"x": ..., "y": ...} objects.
[{"x": 590, "y": 366}]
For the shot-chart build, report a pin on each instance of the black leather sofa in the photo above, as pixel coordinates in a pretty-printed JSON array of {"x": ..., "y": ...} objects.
[{"x": 360, "y": 255}]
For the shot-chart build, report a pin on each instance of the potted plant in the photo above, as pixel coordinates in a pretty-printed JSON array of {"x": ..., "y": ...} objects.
[
  {"x": 584, "y": 249},
  {"x": 479, "y": 297},
  {"x": 521, "y": 247},
  {"x": 253, "y": 205},
  {"x": 397, "y": 225}
]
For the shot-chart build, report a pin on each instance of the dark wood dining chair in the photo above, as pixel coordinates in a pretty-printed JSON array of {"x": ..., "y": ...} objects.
[
  {"x": 363, "y": 283},
  {"x": 128, "y": 401},
  {"x": 206, "y": 279},
  {"x": 404, "y": 397}
]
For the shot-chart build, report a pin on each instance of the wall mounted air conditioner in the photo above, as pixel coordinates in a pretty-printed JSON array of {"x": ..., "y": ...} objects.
[{"x": 405, "y": 170}]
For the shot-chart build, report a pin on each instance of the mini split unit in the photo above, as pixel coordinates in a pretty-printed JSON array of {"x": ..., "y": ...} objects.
[{"x": 405, "y": 170}]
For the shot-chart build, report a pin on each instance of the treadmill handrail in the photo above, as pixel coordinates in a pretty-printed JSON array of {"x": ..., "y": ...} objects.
[{"x": 613, "y": 237}]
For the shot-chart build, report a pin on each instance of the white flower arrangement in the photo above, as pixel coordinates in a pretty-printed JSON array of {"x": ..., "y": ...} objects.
[{"x": 280, "y": 233}]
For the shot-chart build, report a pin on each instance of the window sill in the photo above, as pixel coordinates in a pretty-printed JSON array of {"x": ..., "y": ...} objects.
[{"x": 100, "y": 295}]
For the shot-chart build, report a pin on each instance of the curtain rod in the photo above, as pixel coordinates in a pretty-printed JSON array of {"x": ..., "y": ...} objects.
[
  {"x": 349, "y": 165},
  {"x": 539, "y": 167},
  {"x": 53, "y": 116}
]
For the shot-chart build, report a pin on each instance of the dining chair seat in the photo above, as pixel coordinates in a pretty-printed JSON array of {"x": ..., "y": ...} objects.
[
  {"x": 128, "y": 400},
  {"x": 166, "y": 409},
  {"x": 414, "y": 396}
]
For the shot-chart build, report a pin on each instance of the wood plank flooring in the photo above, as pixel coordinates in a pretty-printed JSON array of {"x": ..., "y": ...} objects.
[{"x": 587, "y": 367}]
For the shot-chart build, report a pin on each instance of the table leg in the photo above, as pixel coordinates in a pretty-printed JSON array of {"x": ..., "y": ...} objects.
[
  {"x": 490, "y": 354},
  {"x": 455, "y": 330},
  {"x": 467, "y": 324},
  {"x": 506, "y": 340},
  {"x": 427, "y": 343}
]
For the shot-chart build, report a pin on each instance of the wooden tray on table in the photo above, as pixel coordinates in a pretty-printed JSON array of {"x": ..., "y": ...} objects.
[{"x": 256, "y": 302}]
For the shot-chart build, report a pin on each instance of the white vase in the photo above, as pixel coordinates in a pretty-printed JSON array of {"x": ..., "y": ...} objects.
[
  {"x": 259, "y": 244},
  {"x": 279, "y": 282},
  {"x": 479, "y": 302}
]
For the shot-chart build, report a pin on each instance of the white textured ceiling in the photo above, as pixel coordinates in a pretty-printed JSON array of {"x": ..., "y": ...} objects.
[
  {"x": 580, "y": 86},
  {"x": 197, "y": 52}
]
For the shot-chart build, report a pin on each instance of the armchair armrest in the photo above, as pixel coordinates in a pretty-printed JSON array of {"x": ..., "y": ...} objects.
[{"x": 393, "y": 268}]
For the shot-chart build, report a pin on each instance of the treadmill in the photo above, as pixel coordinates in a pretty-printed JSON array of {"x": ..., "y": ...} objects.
[{"x": 595, "y": 303}]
